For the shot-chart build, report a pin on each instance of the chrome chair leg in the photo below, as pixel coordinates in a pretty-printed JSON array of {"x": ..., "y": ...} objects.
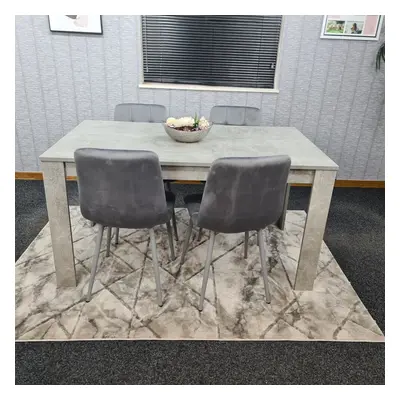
[
  {"x": 187, "y": 241},
  {"x": 200, "y": 234},
  {"x": 207, "y": 269},
  {"x": 99, "y": 238},
  {"x": 174, "y": 225},
  {"x": 246, "y": 243},
  {"x": 264, "y": 270},
  {"x": 108, "y": 241},
  {"x": 116, "y": 235},
  {"x": 170, "y": 241},
  {"x": 168, "y": 186},
  {"x": 155, "y": 266}
]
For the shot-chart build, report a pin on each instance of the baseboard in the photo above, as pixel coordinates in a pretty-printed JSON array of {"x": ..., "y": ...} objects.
[
  {"x": 351, "y": 184},
  {"x": 360, "y": 184},
  {"x": 37, "y": 176}
]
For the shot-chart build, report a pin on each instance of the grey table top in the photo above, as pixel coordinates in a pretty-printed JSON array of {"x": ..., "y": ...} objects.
[{"x": 222, "y": 141}]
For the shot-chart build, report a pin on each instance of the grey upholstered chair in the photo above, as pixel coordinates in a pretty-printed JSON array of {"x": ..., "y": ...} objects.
[
  {"x": 244, "y": 116},
  {"x": 123, "y": 189},
  {"x": 241, "y": 195},
  {"x": 235, "y": 115},
  {"x": 137, "y": 112}
]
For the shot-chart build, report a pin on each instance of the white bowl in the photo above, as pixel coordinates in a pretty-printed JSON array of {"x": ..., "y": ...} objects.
[{"x": 185, "y": 136}]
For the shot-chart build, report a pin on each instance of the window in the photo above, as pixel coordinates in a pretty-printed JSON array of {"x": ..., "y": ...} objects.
[{"x": 212, "y": 50}]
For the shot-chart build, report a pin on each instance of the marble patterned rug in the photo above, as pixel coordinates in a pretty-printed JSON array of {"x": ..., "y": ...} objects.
[{"x": 124, "y": 305}]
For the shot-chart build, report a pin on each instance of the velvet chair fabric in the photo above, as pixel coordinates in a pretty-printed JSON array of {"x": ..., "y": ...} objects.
[
  {"x": 243, "y": 194},
  {"x": 136, "y": 112},
  {"x": 235, "y": 115},
  {"x": 121, "y": 188}
]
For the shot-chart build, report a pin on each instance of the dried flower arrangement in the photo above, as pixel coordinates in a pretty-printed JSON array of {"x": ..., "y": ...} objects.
[{"x": 188, "y": 124}]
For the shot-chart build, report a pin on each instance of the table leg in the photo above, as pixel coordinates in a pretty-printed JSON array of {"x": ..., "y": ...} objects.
[
  {"x": 60, "y": 224},
  {"x": 314, "y": 229}
]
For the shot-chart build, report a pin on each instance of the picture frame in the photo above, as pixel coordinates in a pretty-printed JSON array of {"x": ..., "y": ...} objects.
[
  {"x": 352, "y": 27},
  {"x": 89, "y": 24}
]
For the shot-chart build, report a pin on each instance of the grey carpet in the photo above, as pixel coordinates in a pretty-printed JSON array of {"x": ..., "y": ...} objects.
[
  {"x": 199, "y": 362},
  {"x": 355, "y": 236}
]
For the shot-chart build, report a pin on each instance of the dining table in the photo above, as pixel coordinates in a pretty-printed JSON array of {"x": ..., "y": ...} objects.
[{"x": 190, "y": 162}]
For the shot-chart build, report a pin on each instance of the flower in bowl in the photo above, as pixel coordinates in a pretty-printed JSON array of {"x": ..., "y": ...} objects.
[
  {"x": 188, "y": 123},
  {"x": 187, "y": 129}
]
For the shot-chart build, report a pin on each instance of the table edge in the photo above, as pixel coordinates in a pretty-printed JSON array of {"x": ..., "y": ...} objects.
[{"x": 334, "y": 167}]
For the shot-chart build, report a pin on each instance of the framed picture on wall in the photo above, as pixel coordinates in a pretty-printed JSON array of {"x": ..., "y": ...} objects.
[
  {"x": 353, "y": 27},
  {"x": 76, "y": 23}
]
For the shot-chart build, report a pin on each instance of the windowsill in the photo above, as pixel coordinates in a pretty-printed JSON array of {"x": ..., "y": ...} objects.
[{"x": 173, "y": 86}]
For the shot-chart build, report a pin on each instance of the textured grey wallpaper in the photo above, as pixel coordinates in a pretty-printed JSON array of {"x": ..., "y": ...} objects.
[{"x": 329, "y": 89}]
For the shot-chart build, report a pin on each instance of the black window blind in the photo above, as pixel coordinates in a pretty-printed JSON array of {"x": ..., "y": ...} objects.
[{"x": 212, "y": 50}]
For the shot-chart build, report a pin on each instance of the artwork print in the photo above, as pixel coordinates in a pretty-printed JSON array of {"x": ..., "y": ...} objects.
[
  {"x": 355, "y": 27},
  {"x": 76, "y": 23}
]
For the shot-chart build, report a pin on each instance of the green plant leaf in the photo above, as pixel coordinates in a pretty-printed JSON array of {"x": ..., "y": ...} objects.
[
  {"x": 380, "y": 56},
  {"x": 196, "y": 121}
]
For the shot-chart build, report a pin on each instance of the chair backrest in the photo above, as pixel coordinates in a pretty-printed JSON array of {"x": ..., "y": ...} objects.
[
  {"x": 121, "y": 188},
  {"x": 235, "y": 115},
  {"x": 244, "y": 194},
  {"x": 135, "y": 112}
]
